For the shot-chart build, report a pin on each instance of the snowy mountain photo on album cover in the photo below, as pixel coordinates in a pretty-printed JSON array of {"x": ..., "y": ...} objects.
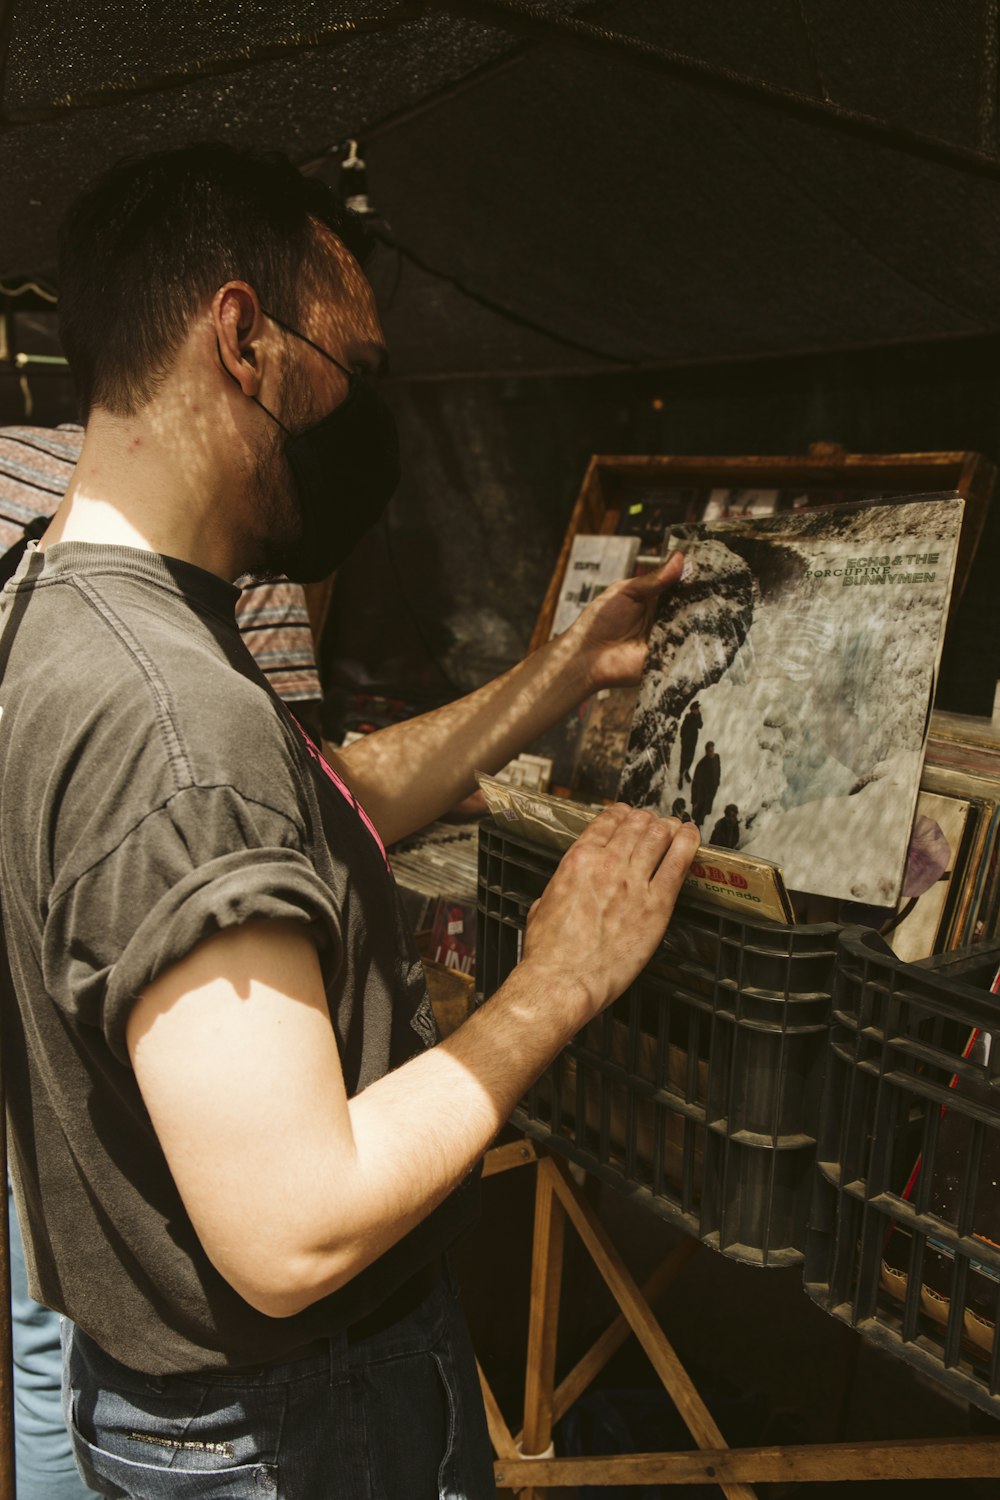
[{"x": 788, "y": 686}]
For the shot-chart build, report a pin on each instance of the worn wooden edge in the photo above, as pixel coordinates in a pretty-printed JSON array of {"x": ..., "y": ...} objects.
[
  {"x": 976, "y": 482},
  {"x": 826, "y": 466},
  {"x": 505, "y": 1158},
  {"x": 921, "y": 1458},
  {"x": 587, "y": 514}
]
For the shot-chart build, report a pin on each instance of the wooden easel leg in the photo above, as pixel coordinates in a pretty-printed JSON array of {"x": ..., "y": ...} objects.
[
  {"x": 500, "y": 1434},
  {"x": 543, "y": 1318},
  {"x": 504, "y": 1444},
  {"x": 611, "y": 1340},
  {"x": 638, "y": 1315}
]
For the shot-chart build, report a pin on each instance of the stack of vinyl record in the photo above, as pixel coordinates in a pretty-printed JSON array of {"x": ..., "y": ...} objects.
[
  {"x": 441, "y": 861},
  {"x": 960, "y": 796}
]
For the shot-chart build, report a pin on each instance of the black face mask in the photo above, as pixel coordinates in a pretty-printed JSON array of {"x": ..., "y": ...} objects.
[{"x": 345, "y": 468}]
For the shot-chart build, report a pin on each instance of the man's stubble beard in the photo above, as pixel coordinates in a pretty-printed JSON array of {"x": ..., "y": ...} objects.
[{"x": 271, "y": 493}]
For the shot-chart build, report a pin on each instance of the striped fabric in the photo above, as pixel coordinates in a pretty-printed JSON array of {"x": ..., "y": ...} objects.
[
  {"x": 275, "y": 626},
  {"x": 35, "y": 465}
]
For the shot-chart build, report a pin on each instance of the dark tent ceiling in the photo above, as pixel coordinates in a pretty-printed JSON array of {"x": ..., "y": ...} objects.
[{"x": 571, "y": 186}]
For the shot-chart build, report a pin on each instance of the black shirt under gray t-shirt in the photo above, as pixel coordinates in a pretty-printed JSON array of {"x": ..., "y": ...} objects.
[{"x": 154, "y": 790}]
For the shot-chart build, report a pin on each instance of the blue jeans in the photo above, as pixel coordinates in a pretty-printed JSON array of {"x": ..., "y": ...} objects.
[
  {"x": 397, "y": 1415},
  {"x": 45, "y": 1468}
]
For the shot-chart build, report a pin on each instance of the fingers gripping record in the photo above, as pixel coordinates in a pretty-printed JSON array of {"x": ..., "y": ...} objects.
[
  {"x": 641, "y": 836},
  {"x": 607, "y": 907},
  {"x": 600, "y": 832}
]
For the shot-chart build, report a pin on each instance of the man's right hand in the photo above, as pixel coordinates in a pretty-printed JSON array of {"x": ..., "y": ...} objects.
[{"x": 604, "y": 912}]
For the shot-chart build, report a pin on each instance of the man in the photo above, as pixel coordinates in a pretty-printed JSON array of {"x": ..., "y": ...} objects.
[
  {"x": 726, "y": 833},
  {"x": 707, "y": 775},
  {"x": 36, "y": 465},
  {"x": 690, "y": 730},
  {"x": 238, "y": 1157}
]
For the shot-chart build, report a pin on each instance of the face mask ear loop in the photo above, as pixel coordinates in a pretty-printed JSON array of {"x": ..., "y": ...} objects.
[
  {"x": 318, "y": 347},
  {"x": 257, "y": 402}
]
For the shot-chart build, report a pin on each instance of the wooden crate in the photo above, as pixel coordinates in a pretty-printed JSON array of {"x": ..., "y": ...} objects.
[{"x": 614, "y": 481}]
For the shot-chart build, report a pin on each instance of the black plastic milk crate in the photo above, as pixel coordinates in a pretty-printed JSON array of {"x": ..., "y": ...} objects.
[
  {"x": 697, "y": 1093},
  {"x": 904, "y": 1235}
]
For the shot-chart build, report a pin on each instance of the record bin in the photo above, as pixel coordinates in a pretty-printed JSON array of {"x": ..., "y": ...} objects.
[
  {"x": 697, "y": 1092},
  {"x": 904, "y": 1236}
]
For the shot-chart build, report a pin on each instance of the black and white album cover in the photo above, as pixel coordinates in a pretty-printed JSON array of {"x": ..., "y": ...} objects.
[
  {"x": 787, "y": 692},
  {"x": 594, "y": 563}
]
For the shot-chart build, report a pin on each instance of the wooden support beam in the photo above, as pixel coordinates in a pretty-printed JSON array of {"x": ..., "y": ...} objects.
[
  {"x": 611, "y": 1340},
  {"x": 504, "y": 1445},
  {"x": 514, "y": 1154},
  {"x": 543, "y": 1317},
  {"x": 924, "y": 1458},
  {"x": 637, "y": 1313},
  {"x": 503, "y": 1442}
]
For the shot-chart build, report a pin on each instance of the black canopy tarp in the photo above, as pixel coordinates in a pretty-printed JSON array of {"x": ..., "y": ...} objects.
[{"x": 570, "y": 186}]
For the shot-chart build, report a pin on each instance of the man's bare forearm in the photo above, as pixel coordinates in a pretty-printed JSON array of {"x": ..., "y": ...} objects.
[
  {"x": 409, "y": 774},
  {"x": 420, "y": 1130}
]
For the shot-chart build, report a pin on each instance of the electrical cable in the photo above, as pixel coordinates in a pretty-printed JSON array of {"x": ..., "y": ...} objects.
[
  {"x": 353, "y": 188},
  {"x": 26, "y": 287},
  {"x": 493, "y": 306},
  {"x": 352, "y": 185}
]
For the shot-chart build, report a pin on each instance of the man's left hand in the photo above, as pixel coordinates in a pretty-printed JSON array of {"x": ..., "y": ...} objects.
[{"x": 612, "y": 633}]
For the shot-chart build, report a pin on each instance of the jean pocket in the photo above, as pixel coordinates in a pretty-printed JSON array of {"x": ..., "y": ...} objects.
[
  {"x": 409, "y": 1414},
  {"x": 153, "y": 1462}
]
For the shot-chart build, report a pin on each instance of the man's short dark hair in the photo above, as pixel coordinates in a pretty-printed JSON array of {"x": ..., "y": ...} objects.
[{"x": 156, "y": 236}]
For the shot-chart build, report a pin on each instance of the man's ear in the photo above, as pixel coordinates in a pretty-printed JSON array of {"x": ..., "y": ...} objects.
[{"x": 238, "y": 325}]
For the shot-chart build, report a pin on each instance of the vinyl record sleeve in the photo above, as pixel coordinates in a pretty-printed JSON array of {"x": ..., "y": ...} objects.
[
  {"x": 594, "y": 563},
  {"x": 810, "y": 641},
  {"x": 934, "y": 858}
]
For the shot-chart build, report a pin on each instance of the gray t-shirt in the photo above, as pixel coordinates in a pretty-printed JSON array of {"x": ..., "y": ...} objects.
[{"x": 154, "y": 790}]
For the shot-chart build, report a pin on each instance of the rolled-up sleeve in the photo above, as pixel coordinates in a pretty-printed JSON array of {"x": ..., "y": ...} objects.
[{"x": 205, "y": 861}]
